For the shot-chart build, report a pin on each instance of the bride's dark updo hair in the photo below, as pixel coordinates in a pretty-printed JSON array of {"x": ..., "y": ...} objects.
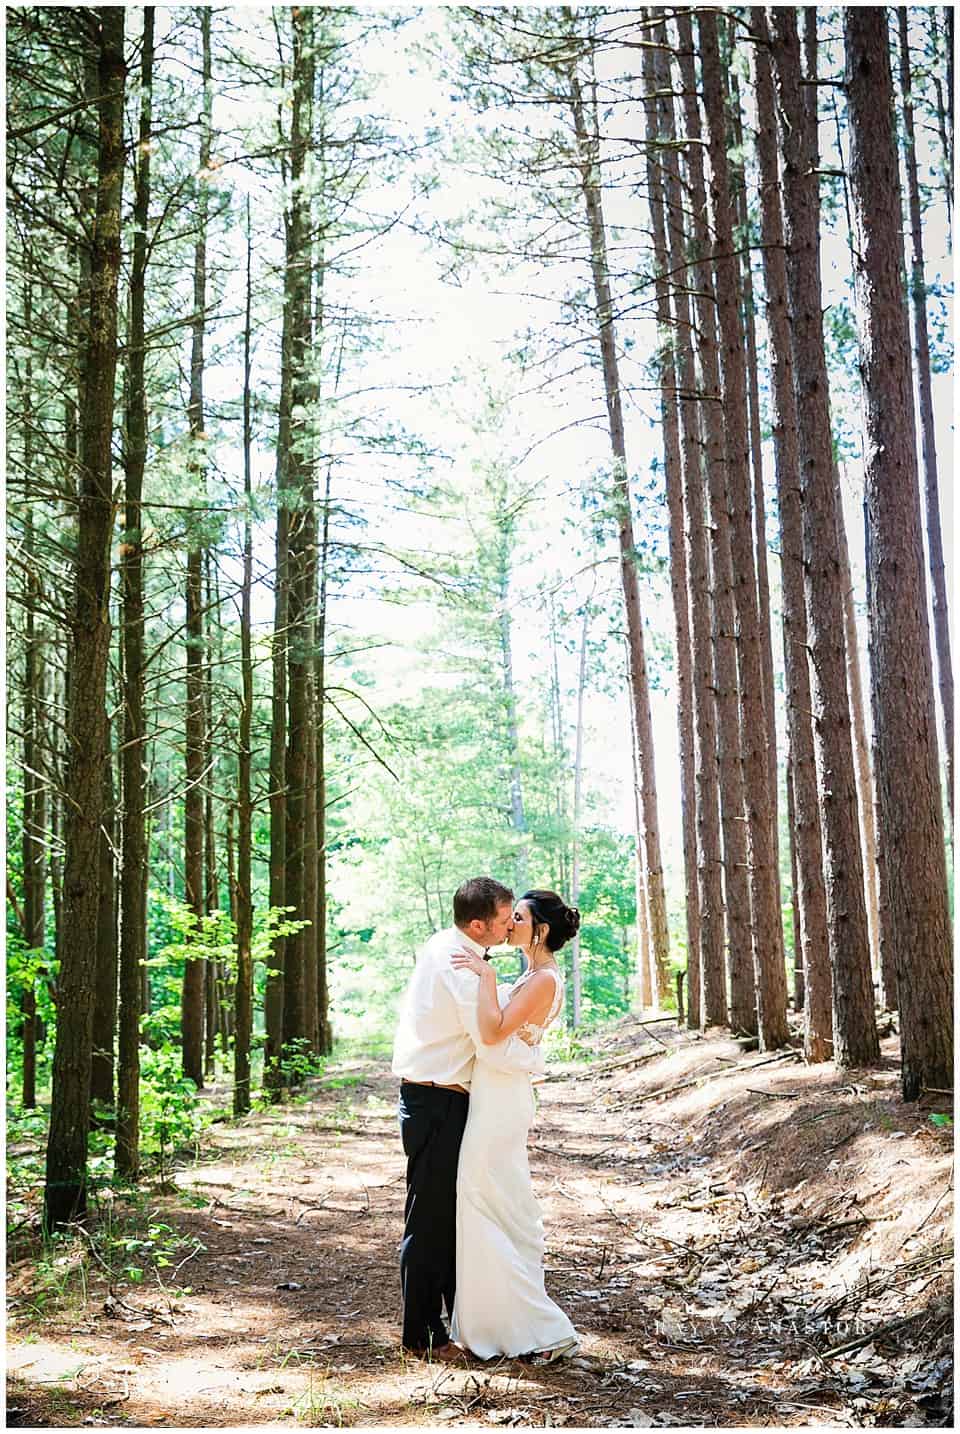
[{"x": 550, "y": 910}]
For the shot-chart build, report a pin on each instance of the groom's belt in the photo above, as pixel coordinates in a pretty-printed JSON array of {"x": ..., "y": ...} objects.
[{"x": 435, "y": 1083}]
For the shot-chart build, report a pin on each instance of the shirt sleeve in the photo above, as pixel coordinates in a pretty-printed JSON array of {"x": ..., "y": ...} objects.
[{"x": 512, "y": 1055}]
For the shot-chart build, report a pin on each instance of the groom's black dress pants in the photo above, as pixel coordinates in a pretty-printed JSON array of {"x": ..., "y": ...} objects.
[{"x": 432, "y": 1121}]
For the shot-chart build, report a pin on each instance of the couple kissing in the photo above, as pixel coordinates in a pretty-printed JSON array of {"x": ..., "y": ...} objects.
[{"x": 466, "y": 1052}]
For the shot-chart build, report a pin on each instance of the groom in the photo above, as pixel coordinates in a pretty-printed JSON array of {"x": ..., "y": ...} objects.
[{"x": 436, "y": 1044}]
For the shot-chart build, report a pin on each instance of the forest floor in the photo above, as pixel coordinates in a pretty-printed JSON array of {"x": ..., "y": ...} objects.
[{"x": 763, "y": 1244}]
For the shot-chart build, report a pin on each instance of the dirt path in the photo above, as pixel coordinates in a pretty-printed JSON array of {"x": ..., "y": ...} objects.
[{"x": 715, "y": 1247}]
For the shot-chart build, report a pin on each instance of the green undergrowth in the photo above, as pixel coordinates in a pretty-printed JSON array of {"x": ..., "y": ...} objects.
[{"x": 120, "y": 1245}]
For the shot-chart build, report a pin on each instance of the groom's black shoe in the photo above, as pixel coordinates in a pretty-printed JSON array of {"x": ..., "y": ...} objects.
[{"x": 449, "y": 1353}]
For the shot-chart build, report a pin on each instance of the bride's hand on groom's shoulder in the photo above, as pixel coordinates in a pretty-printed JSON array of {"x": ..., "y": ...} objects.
[{"x": 466, "y": 961}]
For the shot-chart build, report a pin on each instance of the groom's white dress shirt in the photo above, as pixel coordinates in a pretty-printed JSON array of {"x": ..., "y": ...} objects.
[{"x": 438, "y": 1037}]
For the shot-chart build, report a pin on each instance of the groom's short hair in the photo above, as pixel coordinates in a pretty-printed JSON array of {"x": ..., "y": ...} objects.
[{"x": 478, "y": 899}]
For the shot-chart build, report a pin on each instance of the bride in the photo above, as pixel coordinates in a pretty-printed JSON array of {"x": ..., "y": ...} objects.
[{"x": 501, "y": 1306}]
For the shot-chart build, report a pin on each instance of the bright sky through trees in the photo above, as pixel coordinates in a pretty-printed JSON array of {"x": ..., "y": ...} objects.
[{"x": 458, "y": 322}]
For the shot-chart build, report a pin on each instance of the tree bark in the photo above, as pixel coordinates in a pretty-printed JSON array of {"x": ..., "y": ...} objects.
[
  {"x": 854, "y": 1028},
  {"x": 244, "y": 892},
  {"x": 212, "y": 1023},
  {"x": 560, "y": 761},
  {"x": 861, "y": 753},
  {"x": 706, "y": 979},
  {"x": 194, "y": 984},
  {"x": 66, "y": 1161},
  {"x": 211, "y": 884},
  {"x": 649, "y": 999},
  {"x": 743, "y": 1007},
  {"x": 756, "y": 456},
  {"x": 311, "y": 893},
  {"x": 905, "y": 743},
  {"x": 34, "y": 793},
  {"x": 873, "y": 881},
  {"x": 814, "y": 988},
  {"x": 274, "y": 989},
  {"x": 769, "y": 968},
  {"x": 944, "y": 111},
  {"x": 921, "y": 348},
  {"x": 105, "y": 998},
  {"x": 134, "y": 847},
  {"x": 518, "y": 819},
  {"x": 951, "y": 46},
  {"x": 798, "y": 978},
  {"x": 324, "y": 1028},
  {"x": 576, "y": 984},
  {"x": 587, "y": 147},
  {"x": 302, "y": 551},
  {"x": 657, "y": 123},
  {"x": 646, "y": 966}
]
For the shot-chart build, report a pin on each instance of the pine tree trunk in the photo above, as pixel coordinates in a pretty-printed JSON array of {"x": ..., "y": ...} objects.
[
  {"x": 105, "y": 999},
  {"x": 66, "y": 1162},
  {"x": 194, "y": 983},
  {"x": 518, "y": 819},
  {"x": 229, "y": 842},
  {"x": 576, "y": 984},
  {"x": 302, "y": 551},
  {"x": 646, "y": 966},
  {"x": 854, "y": 1028},
  {"x": 273, "y": 1002},
  {"x": 211, "y": 884},
  {"x": 756, "y": 458},
  {"x": 324, "y": 1029},
  {"x": 211, "y": 892},
  {"x": 211, "y": 1025},
  {"x": 243, "y": 1000},
  {"x": 225, "y": 993},
  {"x": 798, "y": 977},
  {"x": 134, "y": 845},
  {"x": 814, "y": 986},
  {"x": 310, "y": 892},
  {"x": 560, "y": 761},
  {"x": 647, "y": 984},
  {"x": 931, "y": 485},
  {"x": 706, "y": 981},
  {"x": 944, "y": 111},
  {"x": 656, "y": 124},
  {"x": 742, "y": 1007},
  {"x": 54, "y": 863},
  {"x": 950, "y": 18},
  {"x": 861, "y": 749},
  {"x": 910, "y": 824},
  {"x": 951, "y": 48},
  {"x": 34, "y": 791},
  {"x": 769, "y": 967},
  {"x": 587, "y": 145},
  {"x": 865, "y": 785},
  {"x": 192, "y": 1011}
]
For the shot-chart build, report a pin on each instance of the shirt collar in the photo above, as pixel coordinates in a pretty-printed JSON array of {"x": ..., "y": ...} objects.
[{"x": 471, "y": 945}]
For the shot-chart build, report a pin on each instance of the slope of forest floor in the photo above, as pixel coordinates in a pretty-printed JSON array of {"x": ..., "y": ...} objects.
[{"x": 762, "y": 1244}]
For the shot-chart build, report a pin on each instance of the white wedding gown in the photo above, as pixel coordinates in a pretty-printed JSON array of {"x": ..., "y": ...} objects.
[{"x": 501, "y": 1306}]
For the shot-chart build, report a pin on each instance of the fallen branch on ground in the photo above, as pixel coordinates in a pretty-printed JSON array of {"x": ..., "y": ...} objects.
[
  {"x": 890, "y": 1327},
  {"x": 608, "y": 1066},
  {"x": 712, "y": 1075}
]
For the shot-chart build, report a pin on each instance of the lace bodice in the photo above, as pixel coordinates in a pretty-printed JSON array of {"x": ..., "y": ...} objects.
[{"x": 529, "y": 1032}]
